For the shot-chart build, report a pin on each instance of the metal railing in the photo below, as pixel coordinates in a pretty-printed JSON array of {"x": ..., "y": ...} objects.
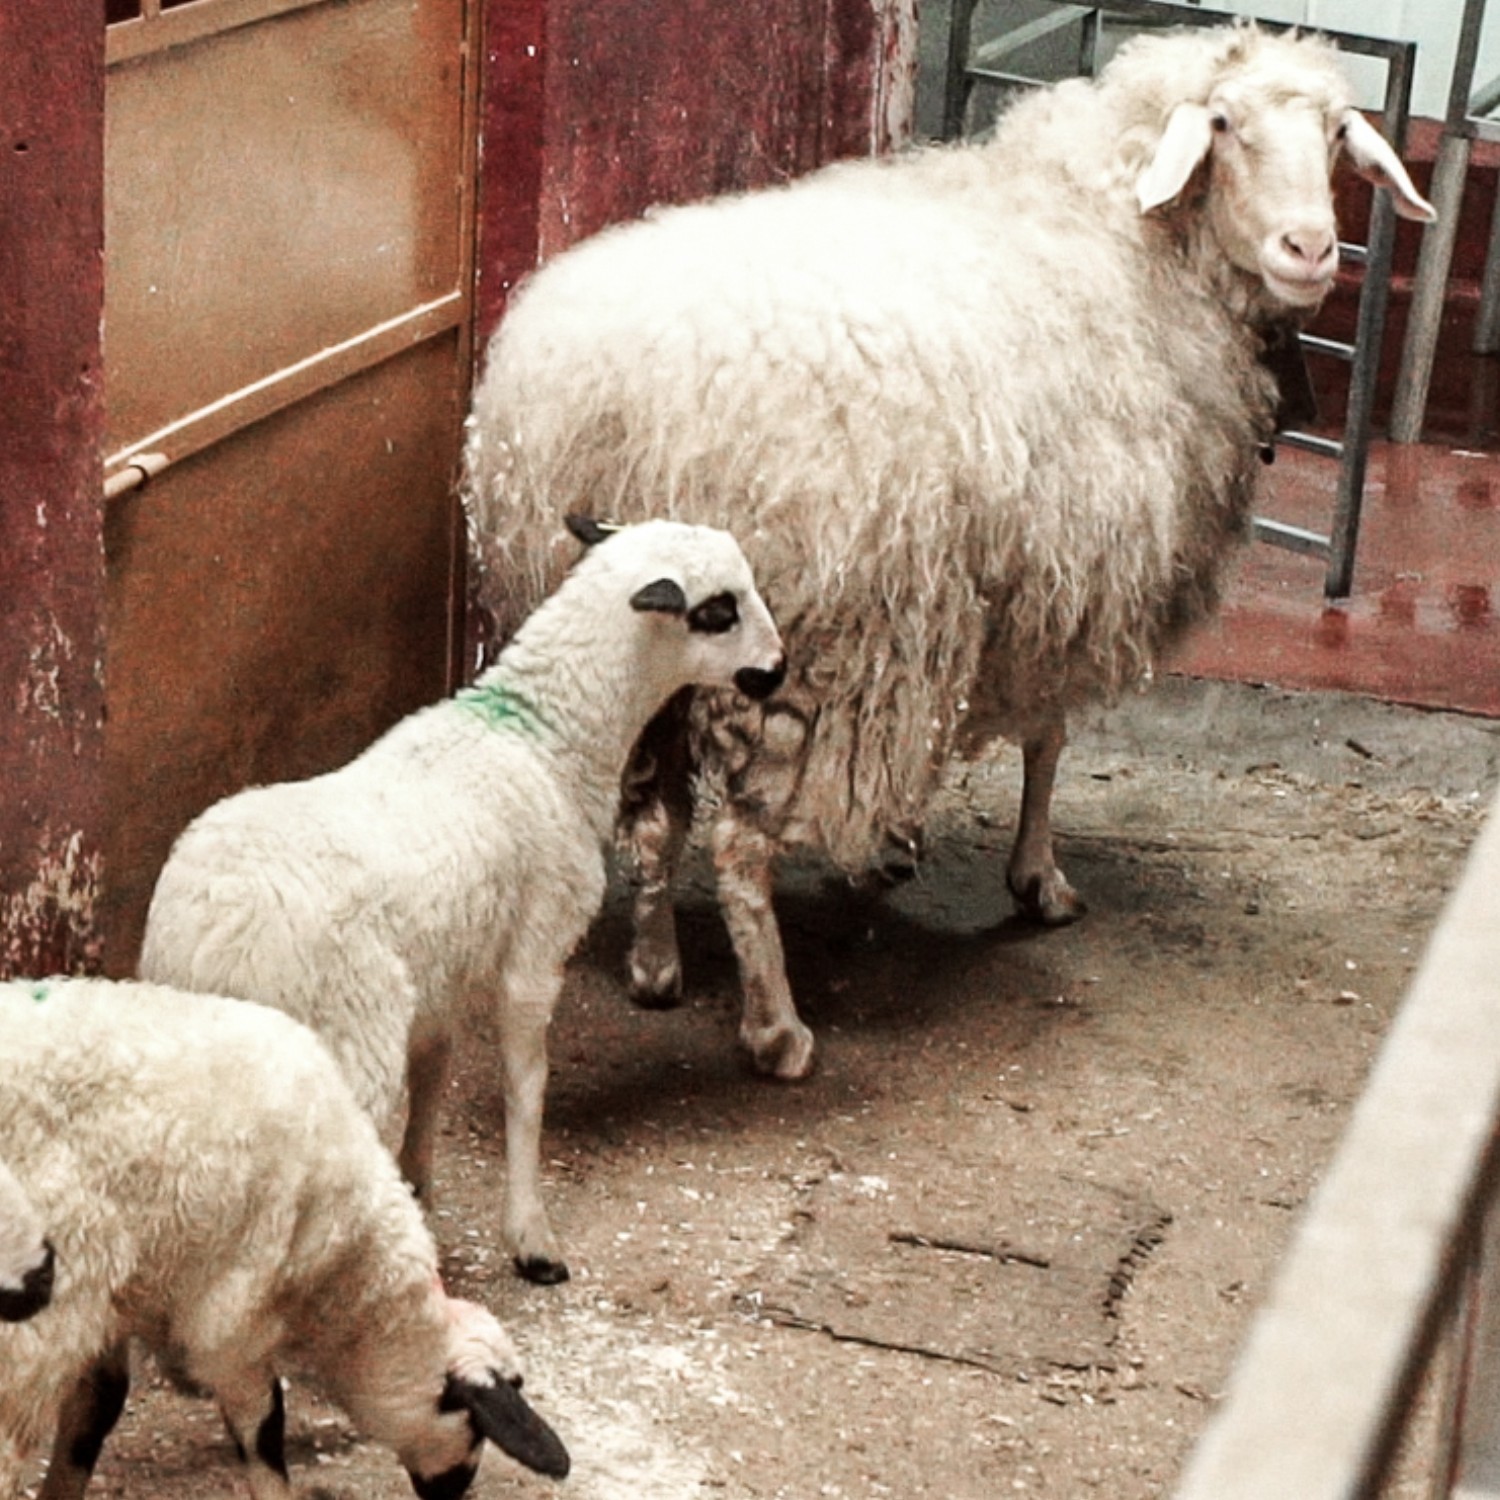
[
  {"x": 968, "y": 67},
  {"x": 1401, "y": 1233}
]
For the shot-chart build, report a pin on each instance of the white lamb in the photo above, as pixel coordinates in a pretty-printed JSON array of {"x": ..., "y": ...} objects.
[
  {"x": 215, "y": 1192},
  {"x": 463, "y": 853},
  {"x": 986, "y": 417},
  {"x": 27, "y": 1260}
]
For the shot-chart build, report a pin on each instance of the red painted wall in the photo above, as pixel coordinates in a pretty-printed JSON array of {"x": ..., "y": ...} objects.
[
  {"x": 51, "y": 421},
  {"x": 592, "y": 114}
]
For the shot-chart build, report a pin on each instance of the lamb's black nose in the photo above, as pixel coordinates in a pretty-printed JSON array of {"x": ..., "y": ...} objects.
[{"x": 760, "y": 682}]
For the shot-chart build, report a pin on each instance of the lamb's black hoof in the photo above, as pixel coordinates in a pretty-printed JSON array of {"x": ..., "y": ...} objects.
[{"x": 541, "y": 1271}]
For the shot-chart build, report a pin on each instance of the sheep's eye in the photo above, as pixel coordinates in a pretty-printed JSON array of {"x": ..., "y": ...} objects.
[
  {"x": 1219, "y": 122},
  {"x": 1342, "y": 132},
  {"x": 715, "y": 615}
]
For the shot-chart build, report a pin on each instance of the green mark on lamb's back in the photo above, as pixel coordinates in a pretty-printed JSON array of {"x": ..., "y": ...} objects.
[
  {"x": 39, "y": 992},
  {"x": 500, "y": 707}
]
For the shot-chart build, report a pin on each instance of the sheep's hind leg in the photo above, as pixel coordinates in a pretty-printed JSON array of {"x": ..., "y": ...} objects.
[
  {"x": 255, "y": 1413},
  {"x": 1041, "y": 890},
  {"x": 770, "y": 1029},
  {"x": 89, "y": 1413},
  {"x": 655, "y": 819},
  {"x": 426, "y": 1073}
]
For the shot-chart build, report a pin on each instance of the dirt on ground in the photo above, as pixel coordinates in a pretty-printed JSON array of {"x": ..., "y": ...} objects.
[{"x": 1008, "y": 1237}]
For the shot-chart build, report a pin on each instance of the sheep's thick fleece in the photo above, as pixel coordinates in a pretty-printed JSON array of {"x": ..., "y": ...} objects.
[
  {"x": 986, "y": 418},
  {"x": 213, "y": 1190}
]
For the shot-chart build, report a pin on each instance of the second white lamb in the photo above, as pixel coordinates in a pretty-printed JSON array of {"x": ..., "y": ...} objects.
[{"x": 463, "y": 854}]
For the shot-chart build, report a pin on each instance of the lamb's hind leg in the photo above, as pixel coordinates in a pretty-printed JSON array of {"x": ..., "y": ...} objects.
[
  {"x": 1039, "y": 887},
  {"x": 655, "y": 820},
  {"x": 770, "y": 1029}
]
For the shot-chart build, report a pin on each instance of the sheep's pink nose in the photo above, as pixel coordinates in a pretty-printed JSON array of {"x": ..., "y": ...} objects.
[{"x": 1315, "y": 248}]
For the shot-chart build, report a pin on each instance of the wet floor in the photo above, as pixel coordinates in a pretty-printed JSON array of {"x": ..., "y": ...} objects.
[{"x": 1420, "y": 625}]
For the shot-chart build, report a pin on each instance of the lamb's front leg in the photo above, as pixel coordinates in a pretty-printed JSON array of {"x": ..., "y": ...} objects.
[
  {"x": 1039, "y": 887},
  {"x": 770, "y": 1029},
  {"x": 525, "y": 1011},
  {"x": 655, "y": 818}
]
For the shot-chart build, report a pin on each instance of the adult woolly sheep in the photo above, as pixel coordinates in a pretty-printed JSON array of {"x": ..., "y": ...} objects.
[
  {"x": 463, "y": 853},
  {"x": 985, "y": 417},
  {"x": 215, "y": 1191},
  {"x": 26, "y": 1254}
]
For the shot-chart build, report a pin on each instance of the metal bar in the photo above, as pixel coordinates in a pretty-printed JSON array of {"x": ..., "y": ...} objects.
[
  {"x": 1485, "y": 99},
  {"x": 134, "y": 474},
  {"x": 1429, "y": 289},
  {"x": 156, "y": 30},
  {"x": 1313, "y": 343},
  {"x": 1293, "y": 538},
  {"x": 1487, "y": 324},
  {"x": 1473, "y": 1460},
  {"x": 1355, "y": 254},
  {"x": 1364, "y": 371},
  {"x": 1465, "y": 57},
  {"x": 1320, "y": 1392},
  {"x": 1414, "y": 379},
  {"x": 229, "y": 414},
  {"x": 1032, "y": 31},
  {"x": 957, "y": 85},
  {"x": 1311, "y": 443}
]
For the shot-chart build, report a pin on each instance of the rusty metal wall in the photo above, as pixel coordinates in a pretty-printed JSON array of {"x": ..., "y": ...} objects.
[
  {"x": 287, "y": 321},
  {"x": 592, "y": 114},
  {"x": 51, "y": 418}
]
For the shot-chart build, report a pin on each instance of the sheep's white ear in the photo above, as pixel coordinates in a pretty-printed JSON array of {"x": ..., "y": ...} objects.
[
  {"x": 500, "y": 1412},
  {"x": 1374, "y": 160},
  {"x": 589, "y": 531},
  {"x": 664, "y": 596},
  {"x": 1183, "y": 146}
]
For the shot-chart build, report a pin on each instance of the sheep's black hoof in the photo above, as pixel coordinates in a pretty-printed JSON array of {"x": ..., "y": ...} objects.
[
  {"x": 541, "y": 1271},
  {"x": 644, "y": 997}
]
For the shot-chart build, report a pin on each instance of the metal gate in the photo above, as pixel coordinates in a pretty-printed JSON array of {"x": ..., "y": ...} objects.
[{"x": 288, "y": 246}]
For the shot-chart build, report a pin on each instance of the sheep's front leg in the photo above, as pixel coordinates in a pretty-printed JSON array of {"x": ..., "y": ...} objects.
[
  {"x": 254, "y": 1410},
  {"x": 89, "y": 1413},
  {"x": 1039, "y": 887},
  {"x": 655, "y": 818},
  {"x": 525, "y": 1013},
  {"x": 770, "y": 1029}
]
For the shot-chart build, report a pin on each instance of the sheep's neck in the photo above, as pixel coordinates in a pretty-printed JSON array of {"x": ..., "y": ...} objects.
[{"x": 585, "y": 705}]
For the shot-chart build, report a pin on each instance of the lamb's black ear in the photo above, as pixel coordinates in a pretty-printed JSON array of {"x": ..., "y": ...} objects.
[
  {"x": 664, "y": 595},
  {"x": 501, "y": 1414},
  {"x": 589, "y": 531}
]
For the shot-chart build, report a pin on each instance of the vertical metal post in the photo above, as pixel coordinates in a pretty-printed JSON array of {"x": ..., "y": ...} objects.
[
  {"x": 1487, "y": 326},
  {"x": 1364, "y": 372},
  {"x": 1430, "y": 286},
  {"x": 956, "y": 89},
  {"x": 1472, "y": 1470}
]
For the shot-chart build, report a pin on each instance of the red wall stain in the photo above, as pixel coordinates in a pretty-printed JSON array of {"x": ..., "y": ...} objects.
[
  {"x": 590, "y": 122},
  {"x": 51, "y": 422}
]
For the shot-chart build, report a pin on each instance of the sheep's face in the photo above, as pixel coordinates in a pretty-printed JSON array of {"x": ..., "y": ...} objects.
[
  {"x": 1264, "y": 147},
  {"x": 468, "y": 1412},
  {"x": 698, "y": 578}
]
